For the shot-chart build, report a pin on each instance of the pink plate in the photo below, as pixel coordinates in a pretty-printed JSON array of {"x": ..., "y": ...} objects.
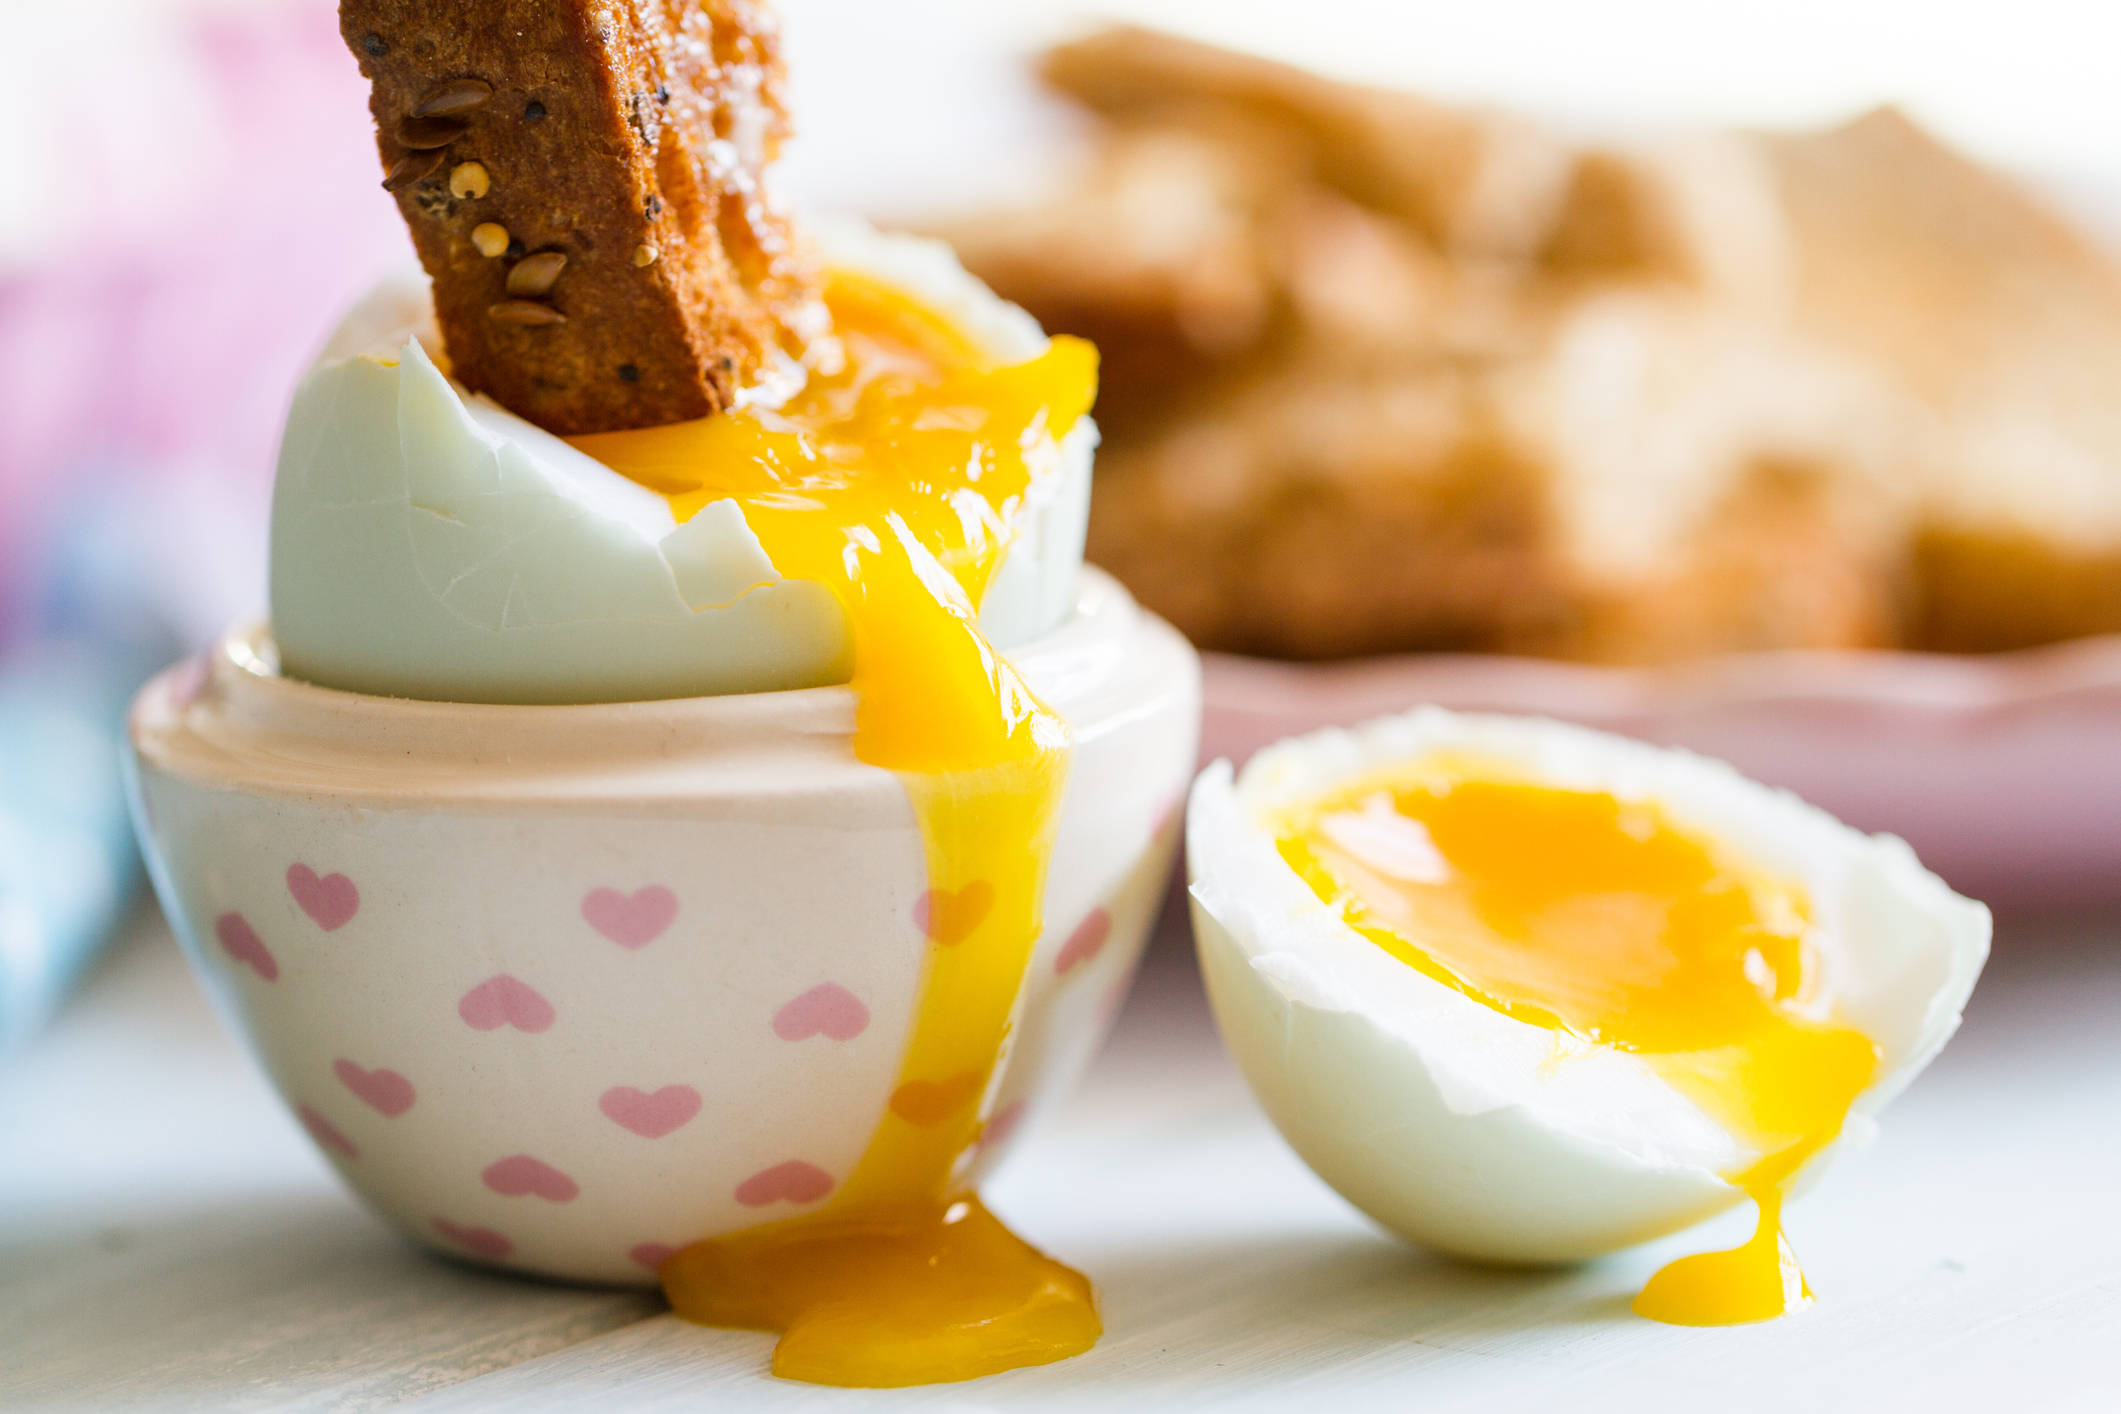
[{"x": 2004, "y": 772}]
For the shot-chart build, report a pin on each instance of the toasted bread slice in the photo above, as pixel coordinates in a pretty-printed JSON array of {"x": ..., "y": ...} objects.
[
  {"x": 1195, "y": 247},
  {"x": 1985, "y": 590},
  {"x": 1702, "y": 211},
  {"x": 1648, "y": 480},
  {"x": 583, "y": 180},
  {"x": 1473, "y": 181},
  {"x": 1316, "y": 513},
  {"x": 1156, "y": 255},
  {"x": 2006, "y": 323},
  {"x": 1711, "y": 394}
]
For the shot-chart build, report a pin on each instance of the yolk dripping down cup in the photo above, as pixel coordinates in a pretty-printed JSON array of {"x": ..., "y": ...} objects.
[{"x": 891, "y": 481}]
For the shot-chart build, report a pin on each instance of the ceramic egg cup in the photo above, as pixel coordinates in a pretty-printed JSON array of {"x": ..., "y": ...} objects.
[{"x": 564, "y": 988}]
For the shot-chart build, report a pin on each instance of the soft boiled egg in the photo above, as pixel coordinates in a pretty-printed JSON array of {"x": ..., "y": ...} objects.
[
  {"x": 1528, "y": 993},
  {"x": 429, "y": 543},
  {"x": 916, "y": 506}
]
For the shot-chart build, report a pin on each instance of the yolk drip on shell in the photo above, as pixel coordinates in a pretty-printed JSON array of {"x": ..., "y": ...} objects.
[
  {"x": 1598, "y": 918},
  {"x": 892, "y": 482}
]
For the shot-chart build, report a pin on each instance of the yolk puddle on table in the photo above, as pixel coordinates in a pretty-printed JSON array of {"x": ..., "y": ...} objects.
[
  {"x": 1598, "y": 918},
  {"x": 891, "y": 481}
]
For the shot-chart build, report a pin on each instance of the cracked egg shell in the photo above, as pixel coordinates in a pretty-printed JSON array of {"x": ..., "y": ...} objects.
[
  {"x": 1472, "y": 1132},
  {"x": 428, "y": 543}
]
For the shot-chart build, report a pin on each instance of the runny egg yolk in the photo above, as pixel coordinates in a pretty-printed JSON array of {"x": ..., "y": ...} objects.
[
  {"x": 892, "y": 482},
  {"x": 1602, "y": 920}
]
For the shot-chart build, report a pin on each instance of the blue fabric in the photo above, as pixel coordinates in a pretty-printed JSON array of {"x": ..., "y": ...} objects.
[{"x": 68, "y": 866}]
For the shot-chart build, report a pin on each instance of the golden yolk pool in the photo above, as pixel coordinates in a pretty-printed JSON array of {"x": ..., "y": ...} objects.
[
  {"x": 1600, "y": 919},
  {"x": 892, "y": 482}
]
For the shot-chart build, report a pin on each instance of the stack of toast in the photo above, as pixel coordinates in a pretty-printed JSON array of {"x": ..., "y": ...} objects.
[{"x": 1384, "y": 375}]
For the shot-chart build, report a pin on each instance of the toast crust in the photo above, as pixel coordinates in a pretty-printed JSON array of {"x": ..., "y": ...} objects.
[{"x": 631, "y": 138}]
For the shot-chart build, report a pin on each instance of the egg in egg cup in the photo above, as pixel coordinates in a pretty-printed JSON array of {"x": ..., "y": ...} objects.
[{"x": 690, "y": 806}]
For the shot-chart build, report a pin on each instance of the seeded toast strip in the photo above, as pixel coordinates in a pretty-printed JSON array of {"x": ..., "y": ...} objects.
[{"x": 583, "y": 181}]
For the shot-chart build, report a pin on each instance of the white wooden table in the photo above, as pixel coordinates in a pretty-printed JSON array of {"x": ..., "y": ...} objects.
[{"x": 169, "y": 1241}]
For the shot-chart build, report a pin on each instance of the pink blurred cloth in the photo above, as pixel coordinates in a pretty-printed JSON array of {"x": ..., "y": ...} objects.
[
  {"x": 2003, "y": 772},
  {"x": 159, "y": 338}
]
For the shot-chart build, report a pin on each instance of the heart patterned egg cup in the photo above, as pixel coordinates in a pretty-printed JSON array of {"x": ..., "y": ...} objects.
[{"x": 566, "y": 988}]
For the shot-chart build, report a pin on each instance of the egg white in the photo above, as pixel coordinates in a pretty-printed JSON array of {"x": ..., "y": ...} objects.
[
  {"x": 1491, "y": 1138},
  {"x": 428, "y": 543}
]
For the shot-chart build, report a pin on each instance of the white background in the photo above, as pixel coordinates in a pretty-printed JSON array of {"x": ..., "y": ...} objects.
[{"x": 907, "y": 103}]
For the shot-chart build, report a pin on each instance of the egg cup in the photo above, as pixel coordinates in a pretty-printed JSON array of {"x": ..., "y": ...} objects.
[{"x": 565, "y": 988}]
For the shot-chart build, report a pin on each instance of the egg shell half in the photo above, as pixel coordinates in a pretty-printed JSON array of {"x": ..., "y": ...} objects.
[
  {"x": 428, "y": 543},
  {"x": 1480, "y": 1135}
]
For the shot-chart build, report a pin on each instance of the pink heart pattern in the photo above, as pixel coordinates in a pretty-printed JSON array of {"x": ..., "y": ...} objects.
[
  {"x": 479, "y": 1241},
  {"x": 387, "y": 1092},
  {"x": 949, "y": 916},
  {"x": 795, "y": 1181},
  {"x": 331, "y": 902},
  {"x": 504, "y": 1001},
  {"x": 632, "y": 921},
  {"x": 327, "y": 1134},
  {"x": 1086, "y": 942},
  {"x": 520, "y": 1174},
  {"x": 650, "y": 1116},
  {"x": 241, "y": 942},
  {"x": 652, "y": 1255},
  {"x": 929, "y": 1102},
  {"x": 827, "y": 1009}
]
